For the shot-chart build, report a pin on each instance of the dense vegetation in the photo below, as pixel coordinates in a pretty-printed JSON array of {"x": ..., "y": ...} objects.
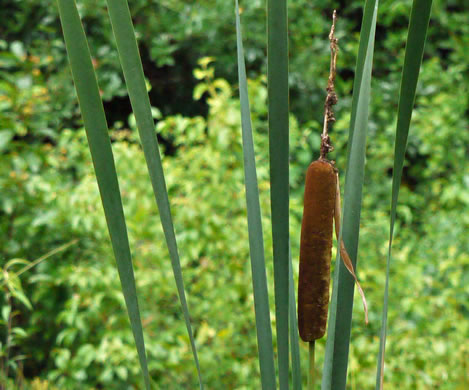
[{"x": 70, "y": 327}]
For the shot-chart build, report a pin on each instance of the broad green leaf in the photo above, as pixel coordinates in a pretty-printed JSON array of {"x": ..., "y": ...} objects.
[
  {"x": 100, "y": 146},
  {"x": 256, "y": 237},
  {"x": 340, "y": 316},
  {"x": 418, "y": 25},
  {"x": 277, "y": 86},
  {"x": 133, "y": 72}
]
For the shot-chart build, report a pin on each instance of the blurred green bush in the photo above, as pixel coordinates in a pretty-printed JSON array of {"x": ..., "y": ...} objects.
[{"x": 76, "y": 335}]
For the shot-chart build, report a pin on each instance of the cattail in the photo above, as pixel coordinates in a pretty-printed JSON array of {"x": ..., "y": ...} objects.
[
  {"x": 316, "y": 249},
  {"x": 321, "y": 208}
]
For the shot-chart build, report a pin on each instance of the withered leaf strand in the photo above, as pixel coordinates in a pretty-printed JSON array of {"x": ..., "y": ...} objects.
[{"x": 316, "y": 249}]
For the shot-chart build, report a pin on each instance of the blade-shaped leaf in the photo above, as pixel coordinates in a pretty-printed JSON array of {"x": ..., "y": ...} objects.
[
  {"x": 277, "y": 80},
  {"x": 133, "y": 72},
  {"x": 100, "y": 146},
  {"x": 46, "y": 256},
  {"x": 340, "y": 318},
  {"x": 256, "y": 238},
  {"x": 418, "y": 25},
  {"x": 294, "y": 338}
]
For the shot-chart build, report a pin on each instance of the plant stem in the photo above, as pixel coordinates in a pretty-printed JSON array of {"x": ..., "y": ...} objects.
[
  {"x": 8, "y": 340},
  {"x": 331, "y": 98},
  {"x": 311, "y": 372}
]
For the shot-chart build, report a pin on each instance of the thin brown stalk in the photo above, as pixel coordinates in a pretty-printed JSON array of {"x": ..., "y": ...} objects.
[{"x": 331, "y": 98}]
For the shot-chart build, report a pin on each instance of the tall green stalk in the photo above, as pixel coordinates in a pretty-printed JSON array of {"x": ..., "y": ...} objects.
[{"x": 277, "y": 80}]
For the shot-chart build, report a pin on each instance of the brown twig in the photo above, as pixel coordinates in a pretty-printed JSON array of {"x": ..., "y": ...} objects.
[{"x": 331, "y": 98}]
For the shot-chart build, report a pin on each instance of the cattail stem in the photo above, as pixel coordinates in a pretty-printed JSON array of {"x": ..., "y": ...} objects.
[
  {"x": 311, "y": 372},
  {"x": 331, "y": 98}
]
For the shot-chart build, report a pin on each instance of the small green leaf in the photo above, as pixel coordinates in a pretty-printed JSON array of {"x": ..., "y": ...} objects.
[
  {"x": 6, "y": 310},
  {"x": 19, "y": 332},
  {"x": 199, "y": 90},
  {"x": 19, "y": 294},
  {"x": 63, "y": 357},
  {"x": 5, "y": 137}
]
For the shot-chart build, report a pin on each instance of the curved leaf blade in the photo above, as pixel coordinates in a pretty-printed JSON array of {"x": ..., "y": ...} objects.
[
  {"x": 256, "y": 237},
  {"x": 100, "y": 146},
  {"x": 418, "y": 25},
  {"x": 129, "y": 56}
]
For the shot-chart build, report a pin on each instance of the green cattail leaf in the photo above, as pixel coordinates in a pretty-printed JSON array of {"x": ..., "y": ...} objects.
[
  {"x": 133, "y": 72},
  {"x": 277, "y": 80},
  {"x": 100, "y": 146},
  {"x": 294, "y": 338},
  {"x": 256, "y": 237},
  {"x": 340, "y": 318},
  {"x": 419, "y": 19}
]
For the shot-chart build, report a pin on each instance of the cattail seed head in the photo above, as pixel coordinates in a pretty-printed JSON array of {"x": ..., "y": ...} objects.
[{"x": 316, "y": 249}]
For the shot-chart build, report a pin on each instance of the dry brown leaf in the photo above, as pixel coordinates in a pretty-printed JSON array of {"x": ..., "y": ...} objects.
[{"x": 343, "y": 252}]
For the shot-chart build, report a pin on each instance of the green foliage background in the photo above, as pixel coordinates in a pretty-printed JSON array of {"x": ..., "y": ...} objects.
[{"x": 77, "y": 334}]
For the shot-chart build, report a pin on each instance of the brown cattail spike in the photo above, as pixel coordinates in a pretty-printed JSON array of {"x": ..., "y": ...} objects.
[
  {"x": 316, "y": 249},
  {"x": 321, "y": 207}
]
